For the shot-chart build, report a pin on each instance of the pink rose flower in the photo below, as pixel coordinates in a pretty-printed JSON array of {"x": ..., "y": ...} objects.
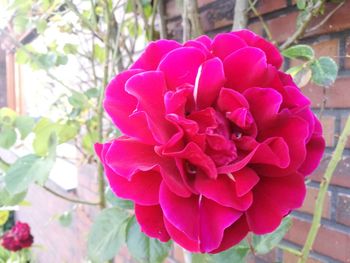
[
  {"x": 217, "y": 141},
  {"x": 17, "y": 238}
]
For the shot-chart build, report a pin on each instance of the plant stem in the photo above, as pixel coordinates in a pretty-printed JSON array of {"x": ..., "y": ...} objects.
[
  {"x": 190, "y": 19},
  {"x": 262, "y": 21},
  {"x": 290, "y": 250},
  {"x": 311, "y": 10},
  {"x": 68, "y": 198},
  {"x": 101, "y": 179},
  {"x": 336, "y": 157},
  {"x": 240, "y": 17}
]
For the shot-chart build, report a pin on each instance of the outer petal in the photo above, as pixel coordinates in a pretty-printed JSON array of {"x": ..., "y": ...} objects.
[
  {"x": 233, "y": 235},
  {"x": 224, "y": 44},
  {"x": 314, "y": 150},
  {"x": 154, "y": 53},
  {"x": 214, "y": 219},
  {"x": 245, "y": 68},
  {"x": 149, "y": 88},
  {"x": 273, "y": 199},
  {"x": 210, "y": 79},
  {"x": 181, "y": 65},
  {"x": 245, "y": 180},
  {"x": 127, "y": 156},
  {"x": 119, "y": 105},
  {"x": 151, "y": 221}
]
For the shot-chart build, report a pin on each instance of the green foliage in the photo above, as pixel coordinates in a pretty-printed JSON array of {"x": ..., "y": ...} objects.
[
  {"x": 143, "y": 248},
  {"x": 107, "y": 234},
  {"x": 324, "y": 71},
  {"x": 118, "y": 202},
  {"x": 235, "y": 254},
  {"x": 25, "y": 125},
  {"x": 299, "y": 52},
  {"x": 6, "y": 199},
  {"x": 263, "y": 244}
]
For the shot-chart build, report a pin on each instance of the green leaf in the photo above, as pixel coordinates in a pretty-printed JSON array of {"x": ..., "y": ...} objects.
[
  {"x": 301, "y": 4},
  {"x": 8, "y": 137},
  {"x": 92, "y": 93},
  {"x": 4, "y": 216},
  {"x": 235, "y": 254},
  {"x": 41, "y": 25},
  {"x": 78, "y": 100},
  {"x": 324, "y": 71},
  {"x": 99, "y": 53},
  {"x": 300, "y": 52},
  {"x": 66, "y": 219},
  {"x": 7, "y": 116},
  {"x": 43, "y": 130},
  {"x": 67, "y": 132},
  {"x": 143, "y": 248},
  {"x": 25, "y": 125},
  {"x": 22, "y": 56},
  {"x": 115, "y": 201},
  {"x": 70, "y": 49},
  {"x": 265, "y": 243},
  {"x": 25, "y": 171},
  {"x": 11, "y": 200},
  {"x": 107, "y": 234}
]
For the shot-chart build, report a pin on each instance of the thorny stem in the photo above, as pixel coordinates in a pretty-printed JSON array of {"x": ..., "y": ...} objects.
[
  {"x": 262, "y": 21},
  {"x": 77, "y": 201},
  {"x": 336, "y": 157},
  {"x": 289, "y": 250}
]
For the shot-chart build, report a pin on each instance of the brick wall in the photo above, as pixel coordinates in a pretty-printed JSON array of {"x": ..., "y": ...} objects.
[{"x": 333, "y": 241}]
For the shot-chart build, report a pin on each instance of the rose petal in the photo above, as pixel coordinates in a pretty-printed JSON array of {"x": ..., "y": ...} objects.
[
  {"x": 210, "y": 79},
  {"x": 264, "y": 104},
  {"x": 154, "y": 53},
  {"x": 225, "y": 44},
  {"x": 273, "y": 199},
  {"x": 229, "y": 100},
  {"x": 214, "y": 219},
  {"x": 151, "y": 221},
  {"x": 149, "y": 88},
  {"x": 180, "y": 66},
  {"x": 245, "y": 180},
  {"x": 223, "y": 191}
]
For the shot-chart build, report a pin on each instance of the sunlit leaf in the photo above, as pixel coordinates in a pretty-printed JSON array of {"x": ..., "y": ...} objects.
[
  {"x": 324, "y": 71},
  {"x": 300, "y": 52}
]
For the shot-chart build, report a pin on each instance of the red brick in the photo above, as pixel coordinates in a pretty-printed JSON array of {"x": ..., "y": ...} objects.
[
  {"x": 267, "y": 6},
  {"x": 337, "y": 22},
  {"x": 310, "y": 199},
  {"x": 347, "y": 55},
  {"x": 341, "y": 175},
  {"x": 328, "y": 124},
  {"x": 343, "y": 209},
  {"x": 290, "y": 258},
  {"x": 280, "y": 33},
  {"x": 337, "y": 96},
  {"x": 256, "y": 27},
  {"x": 330, "y": 242}
]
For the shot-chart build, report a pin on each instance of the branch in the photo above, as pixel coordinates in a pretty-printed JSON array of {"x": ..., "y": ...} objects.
[
  {"x": 162, "y": 23},
  {"x": 68, "y": 198},
  {"x": 310, "y": 11},
  {"x": 153, "y": 19},
  {"x": 262, "y": 21},
  {"x": 336, "y": 157},
  {"x": 190, "y": 19},
  {"x": 240, "y": 18},
  {"x": 326, "y": 18}
]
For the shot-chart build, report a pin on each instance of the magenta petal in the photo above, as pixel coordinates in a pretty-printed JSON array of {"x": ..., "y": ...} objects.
[
  {"x": 272, "y": 53},
  {"x": 245, "y": 68},
  {"x": 214, "y": 219},
  {"x": 264, "y": 104},
  {"x": 273, "y": 199},
  {"x": 314, "y": 152},
  {"x": 194, "y": 155},
  {"x": 223, "y": 191},
  {"x": 180, "y": 66},
  {"x": 154, "y": 53},
  {"x": 143, "y": 188},
  {"x": 233, "y": 235},
  {"x": 127, "y": 156},
  {"x": 183, "y": 213},
  {"x": 119, "y": 105},
  {"x": 205, "y": 40},
  {"x": 245, "y": 180},
  {"x": 149, "y": 89},
  {"x": 210, "y": 79},
  {"x": 225, "y": 44},
  {"x": 151, "y": 221},
  {"x": 179, "y": 237},
  {"x": 229, "y": 100}
]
